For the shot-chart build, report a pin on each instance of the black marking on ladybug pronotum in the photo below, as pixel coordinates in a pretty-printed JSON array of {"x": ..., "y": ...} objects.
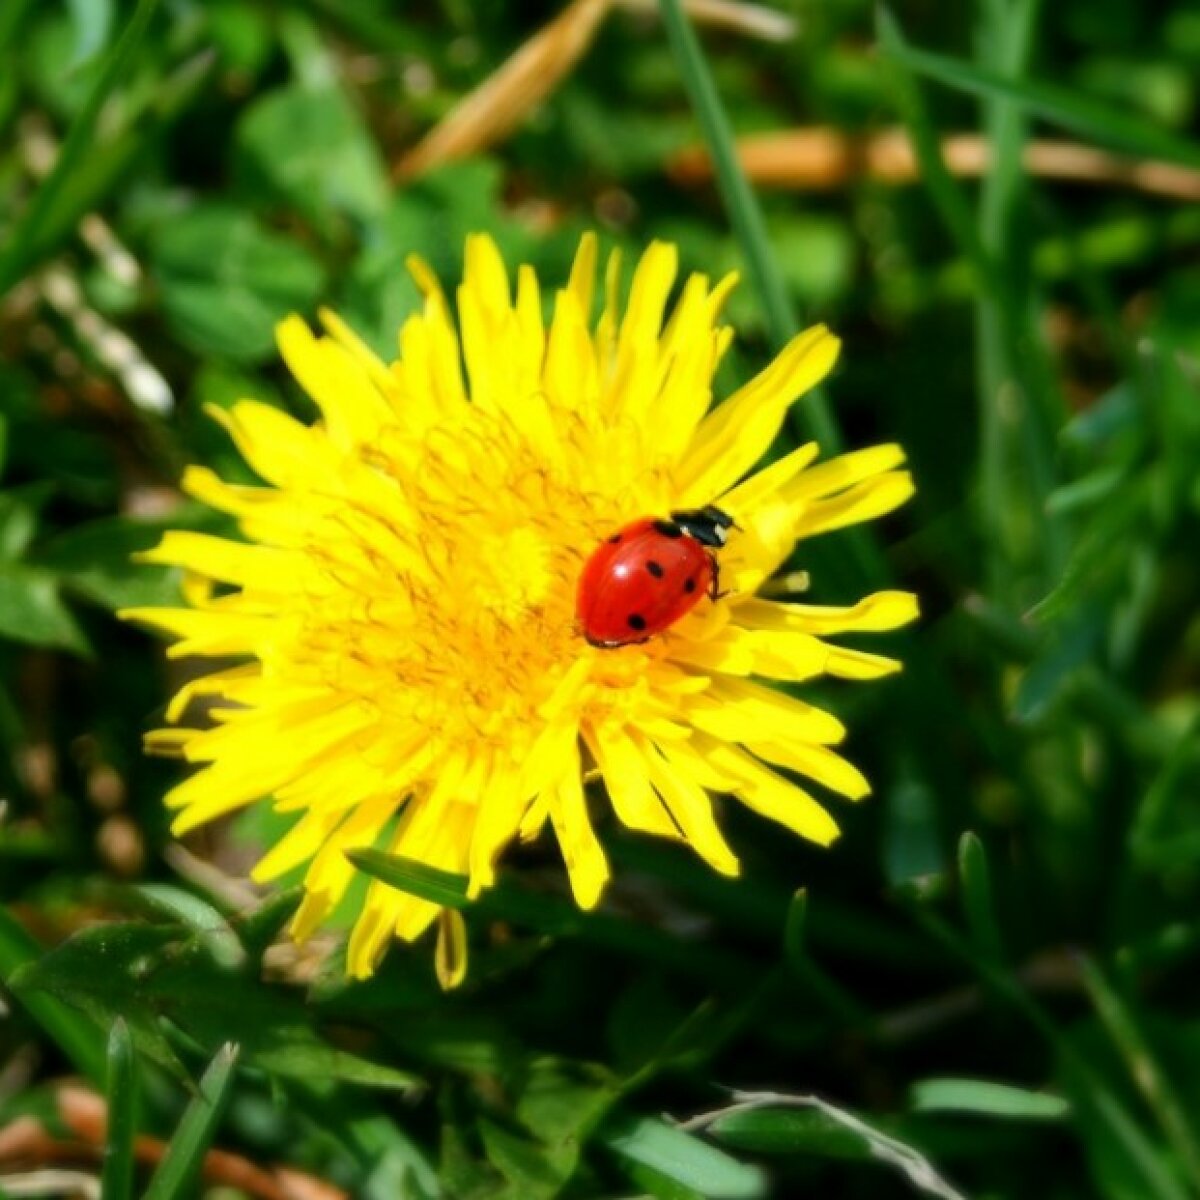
[
  {"x": 636, "y": 621},
  {"x": 668, "y": 529},
  {"x": 709, "y": 525},
  {"x": 655, "y": 569}
]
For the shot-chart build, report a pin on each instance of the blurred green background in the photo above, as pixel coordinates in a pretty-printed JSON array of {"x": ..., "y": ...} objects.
[{"x": 990, "y": 982}]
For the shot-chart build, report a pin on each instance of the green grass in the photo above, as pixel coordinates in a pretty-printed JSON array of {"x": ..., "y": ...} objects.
[{"x": 990, "y": 979}]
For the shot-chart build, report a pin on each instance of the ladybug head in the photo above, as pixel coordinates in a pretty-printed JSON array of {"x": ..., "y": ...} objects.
[{"x": 709, "y": 525}]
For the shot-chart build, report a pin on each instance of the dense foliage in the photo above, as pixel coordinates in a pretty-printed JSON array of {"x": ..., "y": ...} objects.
[{"x": 990, "y": 979}]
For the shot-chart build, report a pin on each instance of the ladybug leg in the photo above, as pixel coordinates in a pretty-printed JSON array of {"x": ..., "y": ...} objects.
[{"x": 714, "y": 585}]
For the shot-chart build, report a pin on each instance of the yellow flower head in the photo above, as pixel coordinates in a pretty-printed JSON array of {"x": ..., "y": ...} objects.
[{"x": 405, "y": 596}]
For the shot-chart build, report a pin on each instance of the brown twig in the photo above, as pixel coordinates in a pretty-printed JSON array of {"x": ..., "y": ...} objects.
[
  {"x": 916, "y": 1168},
  {"x": 822, "y": 158},
  {"x": 497, "y": 106},
  {"x": 26, "y": 1142}
]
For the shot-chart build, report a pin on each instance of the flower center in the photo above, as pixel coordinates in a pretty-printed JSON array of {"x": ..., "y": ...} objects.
[{"x": 454, "y": 605}]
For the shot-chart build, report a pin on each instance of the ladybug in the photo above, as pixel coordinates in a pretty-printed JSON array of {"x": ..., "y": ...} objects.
[{"x": 647, "y": 575}]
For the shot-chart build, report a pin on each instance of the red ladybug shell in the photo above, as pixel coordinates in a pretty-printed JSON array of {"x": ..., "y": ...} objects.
[{"x": 641, "y": 581}]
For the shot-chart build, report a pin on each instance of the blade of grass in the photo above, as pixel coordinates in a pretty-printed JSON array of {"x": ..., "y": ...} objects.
[
  {"x": 14, "y": 260},
  {"x": 199, "y": 916},
  {"x": 1144, "y": 1069},
  {"x": 976, "y": 880},
  {"x": 1008, "y": 449},
  {"x": 1149, "y": 844},
  {"x": 1005, "y": 43},
  {"x": 1126, "y": 1133},
  {"x": 944, "y": 190},
  {"x": 1012, "y": 350},
  {"x": 553, "y": 916},
  {"x": 682, "y": 1157},
  {"x": 1106, "y": 246},
  {"x": 813, "y": 417},
  {"x": 78, "y": 1039},
  {"x": 988, "y": 1098},
  {"x": 768, "y": 1121},
  {"x": 185, "y": 1155},
  {"x": 795, "y": 952},
  {"x": 388, "y": 1152},
  {"x": 761, "y": 907},
  {"x": 116, "y": 1180},
  {"x": 1102, "y": 123},
  {"x": 12, "y": 14},
  {"x": 105, "y": 165},
  {"x": 416, "y": 878},
  {"x": 838, "y": 1000},
  {"x": 742, "y": 205}
]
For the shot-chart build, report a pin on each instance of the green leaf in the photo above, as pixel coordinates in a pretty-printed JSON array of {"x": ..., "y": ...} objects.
[
  {"x": 522, "y": 1162},
  {"x": 185, "y": 1152},
  {"x": 552, "y": 915},
  {"x": 988, "y": 1099},
  {"x": 78, "y": 1039},
  {"x": 19, "y": 509},
  {"x": 259, "y": 928},
  {"x": 200, "y": 917},
  {"x": 1126, "y": 1164},
  {"x": 12, "y": 16},
  {"x": 392, "y": 1164},
  {"x": 93, "y": 25},
  {"x": 111, "y": 160},
  {"x": 310, "y": 149},
  {"x": 683, "y": 1158},
  {"x": 1121, "y": 1022},
  {"x": 1165, "y": 830},
  {"x": 643, "y": 1022},
  {"x": 561, "y": 1100},
  {"x": 804, "y": 1131},
  {"x": 432, "y": 217},
  {"x": 415, "y": 878},
  {"x": 1072, "y": 644},
  {"x": 557, "y": 1104},
  {"x": 121, "y": 1092},
  {"x": 23, "y": 237},
  {"x": 150, "y": 972},
  {"x": 95, "y": 561},
  {"x": 976, "y": 880},
  {"x": 226, "y": 281},
  {"x": 96, "y": 972},
  {"x": 1102, "y": 123},
  {"x": 244, "y": 36},
  {"x": 655, "y": 1183},
  {"x": 32, "y": 610},
  {"x": 794, "y": 950},
  {"x": 1119, "y": 1139},
  {"x": 811, "y": 1126}
]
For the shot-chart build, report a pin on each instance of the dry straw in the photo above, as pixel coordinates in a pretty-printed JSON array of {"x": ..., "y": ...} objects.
[{"x": 493, "y": 110}]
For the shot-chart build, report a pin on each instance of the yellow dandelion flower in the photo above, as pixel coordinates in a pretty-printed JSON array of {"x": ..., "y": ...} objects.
[{"x": 415, "y": 674}]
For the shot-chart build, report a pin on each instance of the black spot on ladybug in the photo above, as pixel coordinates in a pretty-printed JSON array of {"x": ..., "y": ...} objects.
[
  {"x": 616, "y": 537},
  {"x": 668, "y": 529},
  {"x": 636, "y": 621},
  {"x": 655, "y": 569},
  {"x": 689, "y": 585}
]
